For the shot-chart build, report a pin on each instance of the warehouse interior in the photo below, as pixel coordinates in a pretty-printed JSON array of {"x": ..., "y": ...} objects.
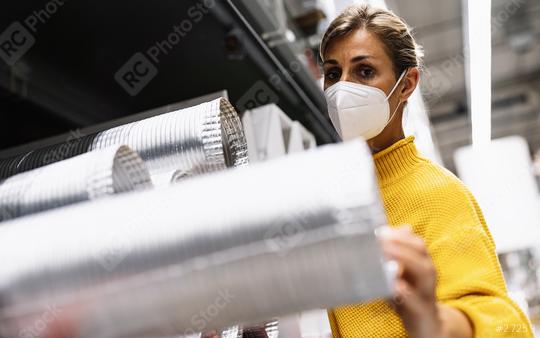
[{"x": 242, "y": 82}]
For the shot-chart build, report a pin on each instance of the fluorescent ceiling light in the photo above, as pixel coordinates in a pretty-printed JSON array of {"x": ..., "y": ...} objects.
[{"x": 478, "y": 54}]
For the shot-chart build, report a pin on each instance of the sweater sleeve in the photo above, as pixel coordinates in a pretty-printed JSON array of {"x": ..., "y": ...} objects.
[
  {"x": 469, "y": 275},
  {"x": 333, "y": 324}
]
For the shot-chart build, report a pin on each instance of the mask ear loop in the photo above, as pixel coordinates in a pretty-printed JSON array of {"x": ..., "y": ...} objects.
[
  {"x": 397, "y": 83},
  {"x": 392, "y": 92}
]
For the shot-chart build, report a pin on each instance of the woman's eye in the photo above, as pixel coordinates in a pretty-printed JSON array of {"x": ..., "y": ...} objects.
[
  {"x": 332, "y": 75},
  {"x": 366, "y": 73}
]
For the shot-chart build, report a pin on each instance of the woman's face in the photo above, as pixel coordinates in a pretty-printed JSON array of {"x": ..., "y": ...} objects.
[{"x": 361, "y": 57}]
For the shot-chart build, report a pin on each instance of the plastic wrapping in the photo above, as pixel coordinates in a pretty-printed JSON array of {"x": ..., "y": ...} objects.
[
  {"x": 260, "y": 242},
  {"x": 89, "y": 176}
]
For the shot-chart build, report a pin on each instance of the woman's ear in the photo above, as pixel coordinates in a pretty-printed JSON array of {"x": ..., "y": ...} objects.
[{"x": 410, "y": 81}]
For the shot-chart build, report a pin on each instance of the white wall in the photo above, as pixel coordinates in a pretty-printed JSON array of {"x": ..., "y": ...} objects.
[{"x": 500, "y": 176}]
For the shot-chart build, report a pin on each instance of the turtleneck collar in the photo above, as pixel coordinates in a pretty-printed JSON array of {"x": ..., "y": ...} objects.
[{"x": 397, "y": 160}]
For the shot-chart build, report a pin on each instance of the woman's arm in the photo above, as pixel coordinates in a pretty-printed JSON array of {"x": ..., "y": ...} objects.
[
  {"x": 415, "y": 298},
  {"x": 454, "y": 323}
]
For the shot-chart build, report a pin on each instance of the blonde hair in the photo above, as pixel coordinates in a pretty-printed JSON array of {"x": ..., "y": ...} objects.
[{"x": 388, "y": 27}]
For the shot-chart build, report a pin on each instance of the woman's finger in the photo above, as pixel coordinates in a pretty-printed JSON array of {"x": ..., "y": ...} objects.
[
  {"x": 406, "y": 299},
  {"x": 404, "y": 236},
  {"x": 411, "y": 306},
  {"x": 418, "y": 269}
]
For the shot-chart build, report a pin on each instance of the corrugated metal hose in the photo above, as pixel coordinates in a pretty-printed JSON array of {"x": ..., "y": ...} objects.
[
  {"x": 200, "y": 139},
  {"x": 99, "y": 173},
  {"x": 248, "y": 244}
]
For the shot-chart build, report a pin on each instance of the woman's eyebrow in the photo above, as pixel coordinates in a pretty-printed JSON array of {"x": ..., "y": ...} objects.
[
  {"x": 355, "y": 59},
  {"x": 360, "y": 58},
  {"x": 330, "y": 62}
]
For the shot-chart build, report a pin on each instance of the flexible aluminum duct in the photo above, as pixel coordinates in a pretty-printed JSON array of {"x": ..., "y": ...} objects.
[
  {"x": 259, "y": 242},
  {"x": 204, "y": 138},
  {"x": 89, "y": 176}
]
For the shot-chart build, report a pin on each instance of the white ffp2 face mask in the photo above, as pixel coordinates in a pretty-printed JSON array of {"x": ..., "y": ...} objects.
[{"x": 359, "y": 110}]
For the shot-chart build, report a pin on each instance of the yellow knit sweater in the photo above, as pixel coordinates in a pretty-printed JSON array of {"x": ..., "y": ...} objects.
[{"x": 443, "y": 212}]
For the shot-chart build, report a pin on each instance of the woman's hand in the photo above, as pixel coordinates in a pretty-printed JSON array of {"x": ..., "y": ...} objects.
[{"x": 415, "y": 300}]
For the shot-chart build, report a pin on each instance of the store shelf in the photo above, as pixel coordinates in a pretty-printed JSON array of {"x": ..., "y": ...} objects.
[{"x": 67, "y": 79}]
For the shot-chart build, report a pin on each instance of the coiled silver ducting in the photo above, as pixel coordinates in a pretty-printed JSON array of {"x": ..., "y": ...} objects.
[
  {"x": 259, "y": 242},
  {"x": 99, "y": 173},
  {"x": 200, "y": 139}
]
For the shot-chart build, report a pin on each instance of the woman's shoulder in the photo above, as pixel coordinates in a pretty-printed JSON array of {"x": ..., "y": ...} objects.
[
  {"x": 441, "y": 185},
  {"x": 445, "y": 201}
]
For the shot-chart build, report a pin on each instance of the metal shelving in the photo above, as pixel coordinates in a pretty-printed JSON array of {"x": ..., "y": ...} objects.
[{"x": 67, "y": 78}]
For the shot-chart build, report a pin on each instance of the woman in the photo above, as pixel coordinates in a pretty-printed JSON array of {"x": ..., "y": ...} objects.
[{"x": 449, "y": 282}]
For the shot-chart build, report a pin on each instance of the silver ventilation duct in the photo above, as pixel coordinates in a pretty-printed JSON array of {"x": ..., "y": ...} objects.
[
  {"x": 259, "y": 242},
  {"x": 200, "y": 139},
  {"x": 89, "y": 176}
]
